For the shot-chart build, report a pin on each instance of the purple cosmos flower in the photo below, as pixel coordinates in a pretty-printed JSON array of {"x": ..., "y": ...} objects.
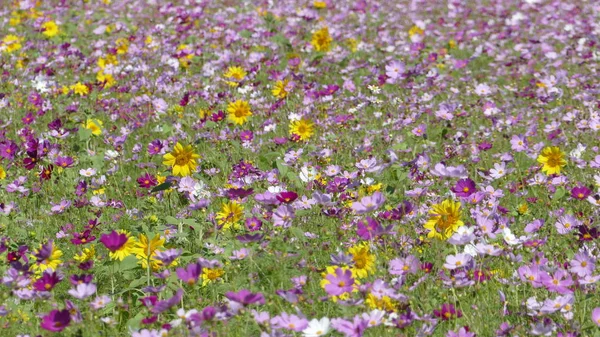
[
  {"x": 190, "y": 273},
  {"x": 162, "y": 306},
  {"x": 63, "y": 162},
  {"x": 458, "y": 261},
  {"x": 340, "y": 282},
  {"x": 56, "y": 320},
  {"x": 405, "y": 265},
  {"x": 253, "y": 224},
  {"x": 243, "y": 298},
  {"x": 354, "y": 328},
  {"x": 155, "y": 147},
  {"x": 168, "y": 256},
  {"x": 464, "y": 188},
  {"x": 369, "y": 203},
  {"x": 559, "y": 282},
  {"x": 582, "y": 264},
  {"x": 83, "y": 290},
  {"x": 113, "y": 241},
  {"x": 283, "y": 216},
  {"x": 596, "y": 316},
  {"x": 290, "y": 322},
  {"x": 462, "y": 332}
]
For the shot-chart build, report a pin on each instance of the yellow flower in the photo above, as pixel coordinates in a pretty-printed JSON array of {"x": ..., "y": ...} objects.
[
  {"x": 11, "y": 43},
  {"x": 553, "y": 159},
  {"x": 364, "y": 262},
  {"x": 211, "y": 275},
  {"x": 125, "y": 250},
  {"x": 321, "y": 39},
  {"x": 280, "y": 89},
  {"x": 52, "y": 262},
  {"x": 303, "y": 128},
  {"x": 239, "y": 111},
  {"x": 182, "y": 160},
  {"x": 146, "y": 251},
  {"x": 415, "y": 30},
  {"x": 80, "y": 89},
  {"x": 50, "y": 28},
  {"x": 319, "y": 4},
  {"x": 383, "y": 303},
  {"x": 2, "y": 173},
  {"x": 237, "y": 73},
  {"x": 122, "y": 45},
  {"x": 95, "y": 125},
  {"x": 444, "y": 220},
  {"x": 107, "y": 79},
  {"x": 108, "y": 59},
  {"x": 86, "y": 255},
  {"x": 231, "y": 213}
]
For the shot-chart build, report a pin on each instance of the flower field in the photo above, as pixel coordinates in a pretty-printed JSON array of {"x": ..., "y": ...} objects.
[{"x": 299, "y": 168}]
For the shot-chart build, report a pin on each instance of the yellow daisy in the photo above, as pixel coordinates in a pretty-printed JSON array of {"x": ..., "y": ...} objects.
[
  {"x": 182, "y": 160},
  {"x": 553, "y": 160},
  {"x": 444, "y": 220},
  {"x": 239, "y": 111}
]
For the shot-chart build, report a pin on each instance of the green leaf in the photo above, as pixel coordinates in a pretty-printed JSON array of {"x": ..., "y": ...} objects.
[
  {"x": 130, "y": 262},
  {"x": 84, "y": 134},
  {"x": 162, "y": 187},
  {"x": 283, "y": 169},
  {"x": 560, "y": 192}
]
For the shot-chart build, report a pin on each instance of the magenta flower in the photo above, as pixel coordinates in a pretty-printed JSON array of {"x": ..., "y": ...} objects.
[
  {"x": 447, "y": 312},
  {"x": 580, "y": 192},
  {"x": 464, "y": 188},
  {"x": 47, "y": 281},
  {"x": 340, "y": 282},
  {"x": 253, "y": 224},
  {"x": 287, "y": 197},
  {"x": 56, "y": 320},
  {"x": 113, "y": 241},
  {"x": 147, "y": 181}
]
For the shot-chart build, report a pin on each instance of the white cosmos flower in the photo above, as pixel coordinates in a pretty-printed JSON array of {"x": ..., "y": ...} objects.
[{"x": 317, "y": 327}]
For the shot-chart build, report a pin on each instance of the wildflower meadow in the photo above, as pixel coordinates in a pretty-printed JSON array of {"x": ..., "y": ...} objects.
[{"x": 299, "y": 168}]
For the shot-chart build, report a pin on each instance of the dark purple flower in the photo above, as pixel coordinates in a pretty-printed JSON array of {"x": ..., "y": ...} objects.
[
  {"x": 287, "y": 197},
  {"x": 47, "y": 281},
  {"x": 113, "y": 241},
  {"x": 580, "y": 192},
  {"x": 238, "y": 193},
  {"x": 447, "y": 312},
  {"x": 147, "y": 180},
  {"x": 82, "y": 238},
  {"x": 56, "y": 320}
]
